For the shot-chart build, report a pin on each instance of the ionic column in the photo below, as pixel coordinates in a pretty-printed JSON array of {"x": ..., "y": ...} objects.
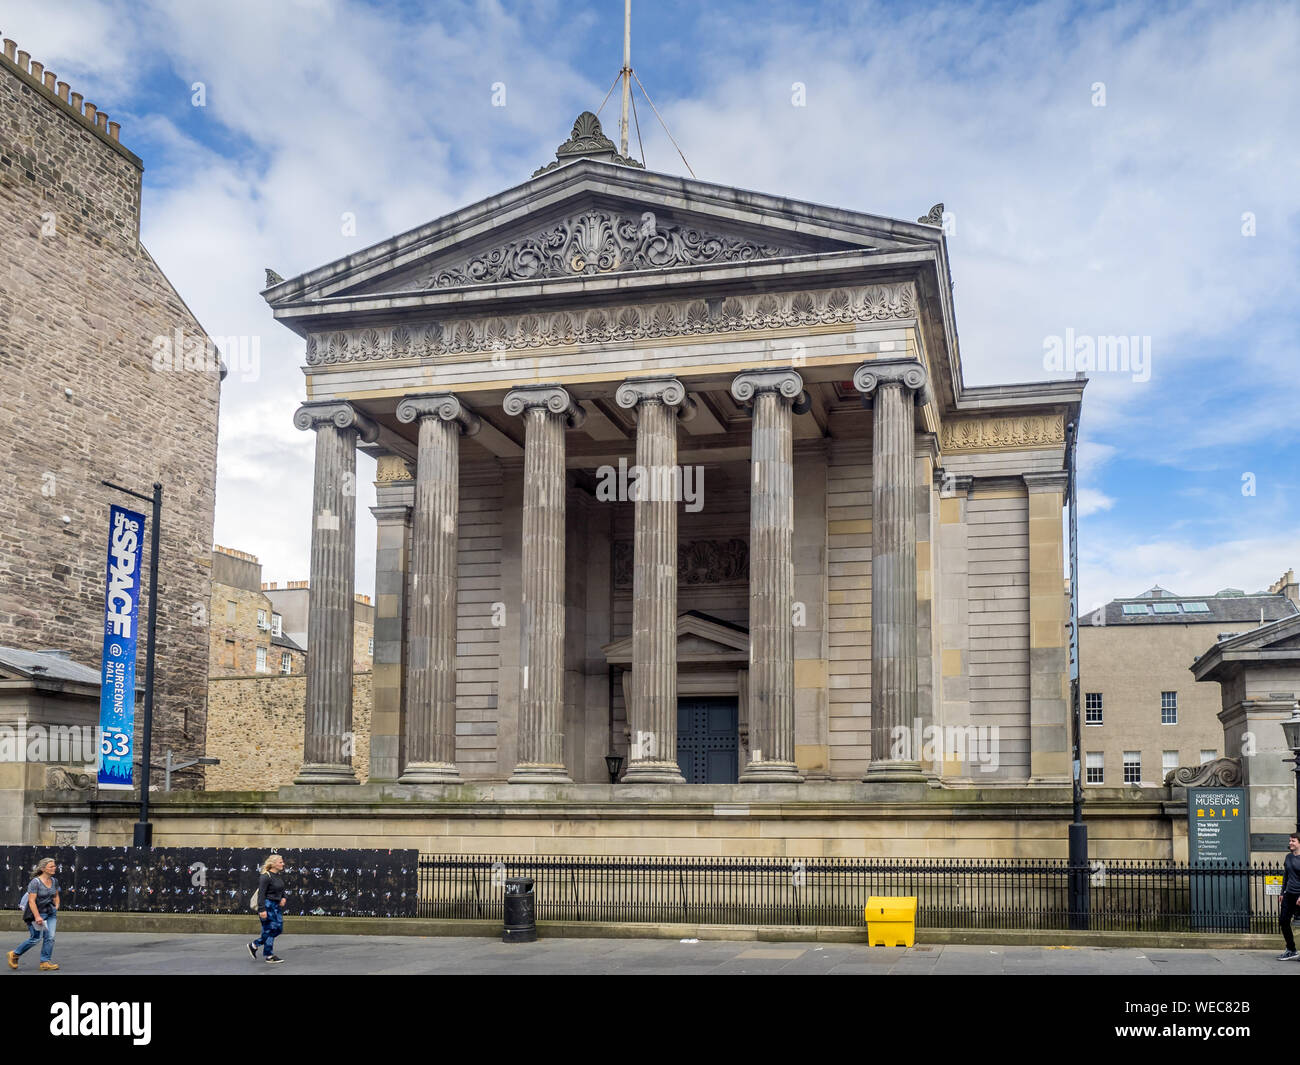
[
  {"x": 771, "y": 574},
  {"x": 431, "y": 661},
  {"x": 652, "y": 717},
  {"x": 328, "y": 740},
  {"x": 892, "y": 387},
  {"x": 547, "y": 412}
]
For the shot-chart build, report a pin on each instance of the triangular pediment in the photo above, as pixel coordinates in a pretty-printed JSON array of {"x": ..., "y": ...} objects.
[
  {"x": 1283, "y": 635},
  {"x": 700, "y": 638},
  {"x": 587, "y": 219}
]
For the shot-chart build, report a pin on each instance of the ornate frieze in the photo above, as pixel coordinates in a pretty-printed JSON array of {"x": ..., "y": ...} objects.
[
  {"x": 392, "y": 468},
  {"x": 601, "y": 242},
  {"x": 988, "y": 434},
  {"x": 698, "y": 562},
  {"x": 607, "y": 325}
]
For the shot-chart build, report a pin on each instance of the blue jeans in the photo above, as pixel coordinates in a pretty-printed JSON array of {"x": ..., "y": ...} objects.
[
  {"x": 272, "y": 926},
  {"x": 43, "y": 934}
]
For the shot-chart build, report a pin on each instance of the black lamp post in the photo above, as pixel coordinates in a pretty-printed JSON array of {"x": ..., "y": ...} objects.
[
  {"x": 614, "y": 763},
  {"x": 1291, "y": 730}
]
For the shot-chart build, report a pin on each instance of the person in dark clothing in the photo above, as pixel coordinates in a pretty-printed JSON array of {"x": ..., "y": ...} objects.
[
  {"x": 270, "y": 908},
  {"x": 1290, "y": 896}
]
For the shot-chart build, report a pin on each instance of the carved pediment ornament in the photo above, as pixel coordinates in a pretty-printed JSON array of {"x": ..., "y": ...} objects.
[
  {"x": 605, "y": 325},
  {"x": 601, "y": 242},
  {"x": 588, "y": 140},
  {"x": 985, "y": 434},
  {"x": 1219, "y": 773}
]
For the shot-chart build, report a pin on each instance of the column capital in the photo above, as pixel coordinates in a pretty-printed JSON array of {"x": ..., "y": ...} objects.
[
  {"x": 909, "y": 373},
  {"x": 552, "y": 398},
  {"x": 1053, "y": 481},
  {"x": 786, "y": 383},
  {"x": 338, "y": 413},
  {"x": 438, "y": 405},
  {"x": 666, "y": 390}
]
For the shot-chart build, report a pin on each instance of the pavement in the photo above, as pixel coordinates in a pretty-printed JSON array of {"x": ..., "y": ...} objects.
[{"x": 101, "y": 953}]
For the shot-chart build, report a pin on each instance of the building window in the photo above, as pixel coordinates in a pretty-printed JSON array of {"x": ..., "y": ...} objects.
[
  {"x": 1168, "y": 708},
  {"x": 286, "y": 662},
  {"x": 370, "y": 648},
  {"x": 1208, "y": 756},
  {"x": 1132, "y": 767},
  {"x": 230, "y": 654},
  {"x": 261, "y": 620},
  {"x": 231, "y": 607},
  {"x": 1096, "y": 767},
  {"x": 277, "y": 625},
  {"x": 1168, "y": 763},
  {"x": 261, "y": 659},
  {"x": 1092, "y": 708}
]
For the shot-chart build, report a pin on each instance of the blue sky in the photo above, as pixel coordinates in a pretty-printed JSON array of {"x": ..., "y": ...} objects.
[{"x": 1168, "y": 212}]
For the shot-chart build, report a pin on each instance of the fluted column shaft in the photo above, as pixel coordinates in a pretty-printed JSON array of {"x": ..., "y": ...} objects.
[
  {"x": 547, "y": 412},
  {"x": 328, "y": 740},
  {"x": 771, "y": 575},
  {"x": 653, "y": 713},
  {"x": 431, "y": 658},
  {"x": 893, "y": 568}
]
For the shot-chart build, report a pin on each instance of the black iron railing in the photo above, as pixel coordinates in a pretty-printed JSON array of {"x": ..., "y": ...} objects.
[{"x": 1139, "y": 895}]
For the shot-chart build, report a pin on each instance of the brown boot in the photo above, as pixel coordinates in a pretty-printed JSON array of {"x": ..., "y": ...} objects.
[
  {"x": 13, "y": 960},
  {"x": 48, "y": 965}
]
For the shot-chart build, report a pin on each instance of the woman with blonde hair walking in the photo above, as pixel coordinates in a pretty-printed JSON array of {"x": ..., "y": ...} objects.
[
  {"x": 270, "y": 908},
  {"x": 40, "y": 909}
]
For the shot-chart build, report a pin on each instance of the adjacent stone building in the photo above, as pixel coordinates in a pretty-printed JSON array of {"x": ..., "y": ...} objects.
[
  {"x": 105, "y": 375},
  {"x": 257, "y": 682},
  {"x": 291, "y": 600},
  {"x": 1144, "y": 715}
]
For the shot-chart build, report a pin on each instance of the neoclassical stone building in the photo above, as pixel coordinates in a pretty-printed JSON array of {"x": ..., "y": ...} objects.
[{"x": 682, "y": 474}]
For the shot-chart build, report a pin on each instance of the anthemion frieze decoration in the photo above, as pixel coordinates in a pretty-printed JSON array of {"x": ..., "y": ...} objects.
[
  {"x": 698, "y": 562},
  {"x": 983, "y": 434},
  {"x": 601, "y": 242},
  {"x": 605, "y": 325}
]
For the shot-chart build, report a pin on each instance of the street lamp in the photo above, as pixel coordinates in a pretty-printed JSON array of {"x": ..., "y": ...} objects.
[
  {"x": 614, "y": 763},
  {"x": 1291, "y": 732}
]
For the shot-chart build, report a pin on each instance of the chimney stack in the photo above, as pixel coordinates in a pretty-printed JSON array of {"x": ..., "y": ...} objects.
[{"x": 9, "y": 49}]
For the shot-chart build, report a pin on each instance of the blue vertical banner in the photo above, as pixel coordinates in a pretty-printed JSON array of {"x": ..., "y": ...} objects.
[{"x": 121, "y": 632}]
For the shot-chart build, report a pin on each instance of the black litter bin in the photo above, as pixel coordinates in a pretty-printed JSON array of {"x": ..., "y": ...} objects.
[{"x": 521, "y": 915}]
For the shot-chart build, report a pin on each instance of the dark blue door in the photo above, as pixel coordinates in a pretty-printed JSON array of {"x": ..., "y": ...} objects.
[{"x": 708, "y": 744}]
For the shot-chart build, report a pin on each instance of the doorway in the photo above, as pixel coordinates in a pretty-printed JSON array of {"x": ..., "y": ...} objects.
[{"x": 708, "y": 740}]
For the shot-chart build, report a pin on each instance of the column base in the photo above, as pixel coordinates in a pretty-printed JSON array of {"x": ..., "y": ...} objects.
[
  {"x": 653, "y": 773},
  {"x": 889, "y": 770},
  {"x": 771, "y": 773},
  {"x": 430, "y": 773},
  {"x": 326, "y": 773},
  {"x": 526, "y": 773}
]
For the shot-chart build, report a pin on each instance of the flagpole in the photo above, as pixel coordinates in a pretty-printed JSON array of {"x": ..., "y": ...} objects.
[{"x": 627, "y": 74}]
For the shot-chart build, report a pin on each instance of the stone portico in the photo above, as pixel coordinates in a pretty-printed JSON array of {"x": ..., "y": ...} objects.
[{"x": 669, "y": 467}]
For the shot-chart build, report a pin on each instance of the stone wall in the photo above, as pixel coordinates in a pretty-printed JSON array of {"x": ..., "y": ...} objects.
[
  {"x": 255, "y": 726},
  {"x": 81, "y": 305}
]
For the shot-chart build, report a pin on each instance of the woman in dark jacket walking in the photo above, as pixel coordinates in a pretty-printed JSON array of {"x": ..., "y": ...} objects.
[{"x": 270, "y": 908}]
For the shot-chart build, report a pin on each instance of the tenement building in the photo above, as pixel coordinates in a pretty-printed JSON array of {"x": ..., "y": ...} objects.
[
  {"x": 105, "y": 376},
  {"x": 1144, "y": 715}
]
